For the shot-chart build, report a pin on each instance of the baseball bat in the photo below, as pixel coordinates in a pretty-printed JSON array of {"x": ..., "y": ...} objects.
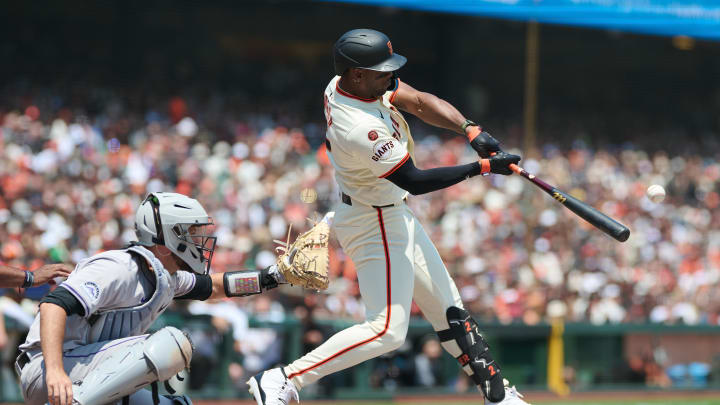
[{"x": 596, "y": 218}]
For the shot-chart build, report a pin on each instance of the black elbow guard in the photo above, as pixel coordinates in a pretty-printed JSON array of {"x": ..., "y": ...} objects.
[{"x": 248, "y": 282}]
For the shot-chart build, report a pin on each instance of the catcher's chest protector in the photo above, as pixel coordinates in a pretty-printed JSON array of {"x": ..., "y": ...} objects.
[{"x": 123, "y": 322}]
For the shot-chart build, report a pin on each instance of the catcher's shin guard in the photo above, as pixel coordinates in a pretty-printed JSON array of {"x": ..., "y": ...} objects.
[
  {"x": 464, "y": 341},
  {"x": 162, "y": 355}
]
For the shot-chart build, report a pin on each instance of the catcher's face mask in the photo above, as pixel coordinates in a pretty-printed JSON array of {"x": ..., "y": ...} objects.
[
  {"x": 182, "y": 225},
  {"x": 200, "y": 242}
]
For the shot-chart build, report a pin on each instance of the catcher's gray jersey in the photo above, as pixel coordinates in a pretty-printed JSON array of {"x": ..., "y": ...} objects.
[{"x": 114, "y": 293}]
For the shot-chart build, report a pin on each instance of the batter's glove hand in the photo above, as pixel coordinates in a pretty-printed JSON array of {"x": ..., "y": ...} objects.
[
  {"x": 305, "y": 261},
  {"x": 482, "y": 142},
  {"x": 499, "y": 163}
]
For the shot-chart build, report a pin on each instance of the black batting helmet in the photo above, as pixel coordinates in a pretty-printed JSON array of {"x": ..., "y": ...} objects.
[{"x": 367, "y": 49}]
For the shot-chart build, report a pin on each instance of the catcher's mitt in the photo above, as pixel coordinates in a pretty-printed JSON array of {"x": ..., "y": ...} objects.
[{"x": 305, "y": 261}]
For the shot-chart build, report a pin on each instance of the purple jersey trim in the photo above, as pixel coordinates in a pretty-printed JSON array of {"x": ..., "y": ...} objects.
[
  {"x": 194, "y": 280},
  {"x": 181, "y": 293},
  {"x": 79, "y": 297},
  {"x": 106, "y": 347}
]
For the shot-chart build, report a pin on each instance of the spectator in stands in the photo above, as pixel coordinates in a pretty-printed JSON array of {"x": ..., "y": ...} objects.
[
  {"x": 427, "y": 362},
  {"x": 69, "y": 183}
]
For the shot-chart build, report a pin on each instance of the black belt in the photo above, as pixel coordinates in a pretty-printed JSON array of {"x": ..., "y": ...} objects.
[
  {"x": 347, "y": 200},
  {"x": 22, "y": 360}
]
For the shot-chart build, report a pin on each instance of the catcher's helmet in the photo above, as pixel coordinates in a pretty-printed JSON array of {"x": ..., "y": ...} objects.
[
  {"x": 367, "y": 49},
  {"x": 179, "y": 223}
]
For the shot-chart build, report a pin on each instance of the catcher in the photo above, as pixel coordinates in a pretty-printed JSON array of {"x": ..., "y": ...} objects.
[{"x": 88, "y": 344}]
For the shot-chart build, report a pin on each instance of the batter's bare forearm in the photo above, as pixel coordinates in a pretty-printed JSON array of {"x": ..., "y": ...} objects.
[
  {"x": 430, "y": 108},
  {"x": 439, "y": 113},
  {"x": 52, "y": 333}
]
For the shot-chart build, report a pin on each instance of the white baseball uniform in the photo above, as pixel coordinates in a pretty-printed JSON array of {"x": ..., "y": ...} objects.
[
  {"x": 120, "y": 303},
  {"x": 395, "y": 259}
]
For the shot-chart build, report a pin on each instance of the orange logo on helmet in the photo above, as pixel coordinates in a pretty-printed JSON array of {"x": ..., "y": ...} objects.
[{"x": 390, "y": 47}]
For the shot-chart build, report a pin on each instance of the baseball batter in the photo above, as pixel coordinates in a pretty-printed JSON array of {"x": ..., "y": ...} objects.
[
  {"x": 371, "y": 149},
  {"x": 88, "y": 345}
]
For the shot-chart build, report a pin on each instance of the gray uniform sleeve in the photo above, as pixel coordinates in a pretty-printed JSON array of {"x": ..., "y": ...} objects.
[
  {"x": 185, "y": 282},
  {"x": 99, "y": 283}
]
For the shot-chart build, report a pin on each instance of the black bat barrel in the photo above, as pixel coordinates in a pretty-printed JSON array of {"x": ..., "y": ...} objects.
[{"x": 596, "y": 218}]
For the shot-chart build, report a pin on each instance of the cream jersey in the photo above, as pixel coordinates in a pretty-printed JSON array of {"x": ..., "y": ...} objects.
[
  {"x": 368, "y": 139},
  {"x": 112, "y": 281}
]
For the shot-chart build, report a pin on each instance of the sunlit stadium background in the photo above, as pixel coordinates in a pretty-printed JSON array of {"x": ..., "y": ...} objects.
[{"x": 104, "y": 101}]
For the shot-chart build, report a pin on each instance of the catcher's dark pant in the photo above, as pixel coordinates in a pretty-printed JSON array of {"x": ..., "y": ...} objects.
[{"x": 396, "y": 261}]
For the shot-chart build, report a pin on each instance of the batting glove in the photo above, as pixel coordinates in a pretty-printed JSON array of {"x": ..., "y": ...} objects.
[
  {"x": 498, "y": 163},
  {"x": 482, "y": 142}
]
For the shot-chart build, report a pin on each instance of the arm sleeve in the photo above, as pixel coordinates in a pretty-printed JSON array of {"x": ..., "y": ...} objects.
[
  {"x": 373, "y": 146},
  {"x": 201, "y": 290},
  {"x": 416, "y": 181},
  {"x": 64, "y": 299}
]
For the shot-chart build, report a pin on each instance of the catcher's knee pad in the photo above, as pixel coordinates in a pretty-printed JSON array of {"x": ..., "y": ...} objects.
[
  {"x": 160, "y": 356},
  {"x": 464, "y": 341}
]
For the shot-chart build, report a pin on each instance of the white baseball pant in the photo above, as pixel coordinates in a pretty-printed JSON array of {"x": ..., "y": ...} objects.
[{"x": 396, "y": 262}]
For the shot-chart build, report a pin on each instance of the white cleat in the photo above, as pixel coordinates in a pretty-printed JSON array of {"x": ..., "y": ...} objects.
[
  {"x": 272, "y": 387},
  {"x": 512, "y": 396}
]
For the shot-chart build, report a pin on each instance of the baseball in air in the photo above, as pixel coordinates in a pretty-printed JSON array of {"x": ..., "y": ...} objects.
[
  {"x": 656, "y": 193},
  {"x": 308, "y": 195}
]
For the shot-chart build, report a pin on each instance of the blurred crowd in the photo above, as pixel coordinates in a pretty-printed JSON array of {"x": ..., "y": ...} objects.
[{"x": 71, "y": 180}]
